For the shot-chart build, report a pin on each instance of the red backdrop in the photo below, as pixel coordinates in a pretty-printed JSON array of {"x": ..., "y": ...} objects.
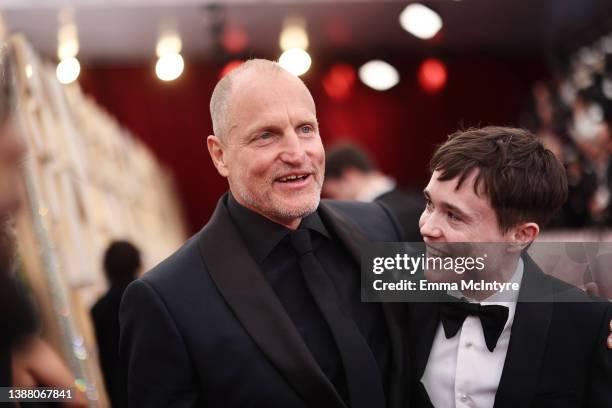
[{"x": 400, "y": 127}]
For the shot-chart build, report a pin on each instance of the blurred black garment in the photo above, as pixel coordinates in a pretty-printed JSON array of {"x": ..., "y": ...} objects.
[
  {"x": 18, "y": 319},
  {"x": 121, "y": 264},
  {"x": 5, "y": 365},
  {"x": 407, "y": 207},
  {"x": 105, "y": 315}
]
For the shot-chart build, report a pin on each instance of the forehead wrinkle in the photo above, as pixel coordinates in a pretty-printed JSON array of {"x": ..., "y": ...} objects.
[
  {"x": 263, "y": 85},
  {"x": 281, "y": 121}
]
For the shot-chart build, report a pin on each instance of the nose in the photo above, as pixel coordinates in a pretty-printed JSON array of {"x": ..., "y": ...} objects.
[
  {"x": 293, "y": 150},
  {"x": 429, "y": 227}
]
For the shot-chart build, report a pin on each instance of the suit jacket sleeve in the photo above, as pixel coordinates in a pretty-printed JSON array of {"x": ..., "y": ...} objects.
[
  {"x": 600, "y": 392},
  {"x": 397, "y": 229},
  {"x": 154, "y": 359}
]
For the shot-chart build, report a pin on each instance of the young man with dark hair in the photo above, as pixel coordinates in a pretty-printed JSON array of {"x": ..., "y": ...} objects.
[{"x": 500, "y": 185}]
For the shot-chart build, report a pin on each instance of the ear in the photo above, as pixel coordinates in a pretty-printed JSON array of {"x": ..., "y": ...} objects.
[
  {"x": 523, "y": 235},
  {"x": 216, "y": 150}
]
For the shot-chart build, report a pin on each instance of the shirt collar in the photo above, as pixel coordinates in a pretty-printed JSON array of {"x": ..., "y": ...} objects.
[
  {"x": 376, "y": 187},
  {"x": 498, "y": 298},
  {"x": 506, "y": 299},
  {"x": 261, "y": 234}
]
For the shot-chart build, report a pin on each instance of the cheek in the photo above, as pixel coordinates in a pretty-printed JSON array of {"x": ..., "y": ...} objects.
[
  {"x": 489, "y": 230},
  {"x": 316, "y": 152},
  {"x": 423, "y": 218},
  {"x": 257, "y": 167}
]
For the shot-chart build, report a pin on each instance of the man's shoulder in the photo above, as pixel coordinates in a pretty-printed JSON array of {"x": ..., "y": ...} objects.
[
  {"x": 373, "y": 218},
  {"x": 351, "y": 206},
  {"x": 410, "y": 198},
  {"x": 184, "y": 261},
  {"x": 573, "y": 303}
]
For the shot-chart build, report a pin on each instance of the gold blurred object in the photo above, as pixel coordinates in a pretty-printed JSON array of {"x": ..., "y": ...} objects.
[{"x": 86, "y": 181}]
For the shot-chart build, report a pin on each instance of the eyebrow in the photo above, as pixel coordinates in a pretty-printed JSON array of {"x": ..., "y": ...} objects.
[
  {"x": 262, "y": 125},
  {"x": 450, "y": 206}
]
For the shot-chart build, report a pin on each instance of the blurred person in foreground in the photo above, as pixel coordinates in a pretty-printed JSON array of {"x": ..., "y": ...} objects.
[
  {"x": 543, "y": 346},
  {"x": 262, "y": 307},
  {"x": 121, "y": 265},
  {"x": 26, "y": 360},
  {"x": 350, "y": 175}
]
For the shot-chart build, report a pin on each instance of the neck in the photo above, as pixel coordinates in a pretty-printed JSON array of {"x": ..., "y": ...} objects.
[
  {"x": 291, "y": 224},
  {"x": 502, "y": 272}
]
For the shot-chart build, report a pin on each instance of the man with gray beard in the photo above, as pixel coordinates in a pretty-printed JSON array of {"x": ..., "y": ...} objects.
[{"x": 262, "y": 307}]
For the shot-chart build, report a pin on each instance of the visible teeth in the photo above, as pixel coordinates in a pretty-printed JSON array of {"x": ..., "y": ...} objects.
[{"x": 289, "y": 178}]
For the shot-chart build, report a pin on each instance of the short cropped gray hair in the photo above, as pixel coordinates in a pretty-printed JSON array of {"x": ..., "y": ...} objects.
[{"x": 219, "y": 101}]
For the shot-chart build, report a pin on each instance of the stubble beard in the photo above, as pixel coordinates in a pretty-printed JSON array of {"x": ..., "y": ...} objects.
[{"x": 275, "y": 209}]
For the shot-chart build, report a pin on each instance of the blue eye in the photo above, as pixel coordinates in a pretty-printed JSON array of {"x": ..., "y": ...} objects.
[
  {"x": 265, "y": 135},
  {"x": 306, "y": 129}
]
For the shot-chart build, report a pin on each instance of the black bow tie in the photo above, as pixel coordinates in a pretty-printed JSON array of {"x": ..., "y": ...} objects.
[{"x": 492, "y": 318}]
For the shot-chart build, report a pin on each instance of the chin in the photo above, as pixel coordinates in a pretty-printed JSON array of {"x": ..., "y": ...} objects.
[{"x": 296, "y": 207}]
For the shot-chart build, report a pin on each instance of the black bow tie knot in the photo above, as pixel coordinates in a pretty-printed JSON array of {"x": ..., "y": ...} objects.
[{"x": 492, "y": 318}]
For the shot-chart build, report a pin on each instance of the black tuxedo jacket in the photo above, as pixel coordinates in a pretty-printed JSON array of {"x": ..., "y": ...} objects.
[
  {"x": 407, "y": 207},
  {"x": 557, "y": 356},
  {"x": 204, "y": 328}
]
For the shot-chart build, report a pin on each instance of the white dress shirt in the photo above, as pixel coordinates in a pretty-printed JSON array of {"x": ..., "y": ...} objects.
[
  {"x": 461, "y": 371},
  {"x": 374, "y": 188}
]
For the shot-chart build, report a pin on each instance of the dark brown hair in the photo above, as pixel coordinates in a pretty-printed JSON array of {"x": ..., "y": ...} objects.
[
  {"x": 343, "y": 157},
  {"x": 523, "y": 180},
  {"x": 121, "y": 262}
]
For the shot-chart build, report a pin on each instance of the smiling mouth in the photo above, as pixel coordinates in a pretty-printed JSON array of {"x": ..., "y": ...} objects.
[{"x": 296, "y": 178}]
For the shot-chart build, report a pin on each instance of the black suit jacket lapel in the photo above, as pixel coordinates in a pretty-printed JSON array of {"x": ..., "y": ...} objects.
[
  {"x": 424, "y": 321},
  {"x": 530, "y": 328},
  {"x": 352, "y": 238},
  {"x": 254, "y": 303}
]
